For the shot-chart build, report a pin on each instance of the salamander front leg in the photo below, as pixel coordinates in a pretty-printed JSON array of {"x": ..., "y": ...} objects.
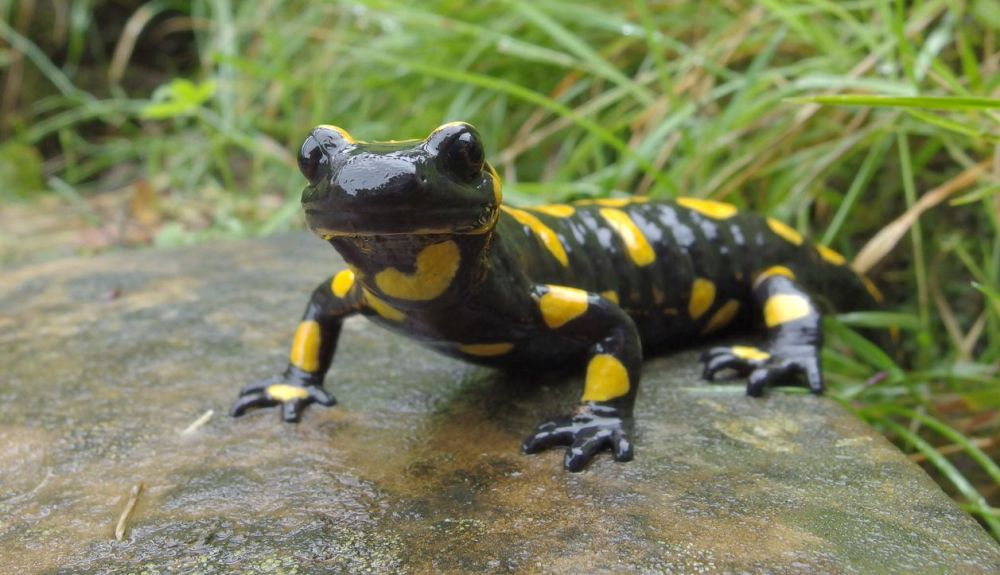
[
  {"x": 311, "y": 354},
  {"x": 794, "y": 339},
  {"x": 603, "y": 419}
]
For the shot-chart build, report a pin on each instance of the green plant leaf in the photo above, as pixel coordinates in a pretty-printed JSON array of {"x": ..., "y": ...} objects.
[{"x": 181, "y": 97}]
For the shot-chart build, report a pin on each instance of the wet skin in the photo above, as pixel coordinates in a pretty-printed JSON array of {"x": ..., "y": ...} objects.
[{"x": 433, "y": 254}]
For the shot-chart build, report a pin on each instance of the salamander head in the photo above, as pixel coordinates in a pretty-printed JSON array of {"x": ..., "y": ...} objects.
[{"x": 438, "y": 185}]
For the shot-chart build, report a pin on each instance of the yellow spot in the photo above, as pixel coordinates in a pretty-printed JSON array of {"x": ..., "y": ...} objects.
[
  {"x": 486, "y": 349},
  {"x": 830, "y": 255},
  {"x": 771, "y": 272},
  {"x": 555, "y": 210},
  {"x": 702, "y": 297},
  {"x": 383, "y": 309},
  {"x": 710, "y": 208},
  {"x": 749, "y": 353},
  {"x": 343, "y": 133},
  {"x": 607, "y": 379},
  {"x": 562, "y": 304},
  {"x": 636, "y": 245},
  {"x": 722, "y": 317},
  {"x": 610, "y": 295},
  {"x": 785, "y": 231},
  {"x": 436, "y": 267},
  {"x": 544, "y": 233},
  {"x": 285, "y": 392},
  {"x": 305, "y": 346},
  {"x": 342, "y": 283},
  {"x": 872, "y": 289},
  {"x": 783, "y": 308}
]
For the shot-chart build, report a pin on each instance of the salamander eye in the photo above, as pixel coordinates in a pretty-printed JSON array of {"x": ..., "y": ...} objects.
[
  {"x": 311, "y": 157},
  {"x": 459, "y": 150},
  {"x": 322, "y": 143}
]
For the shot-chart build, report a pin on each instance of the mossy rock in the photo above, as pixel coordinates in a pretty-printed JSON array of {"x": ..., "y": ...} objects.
[{"x": 106, "y": 361}]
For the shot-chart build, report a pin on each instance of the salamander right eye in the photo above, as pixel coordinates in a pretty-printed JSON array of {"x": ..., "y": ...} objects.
[
  {"x": 324, "y": 142},
  {"x": 311, "y": 157}
]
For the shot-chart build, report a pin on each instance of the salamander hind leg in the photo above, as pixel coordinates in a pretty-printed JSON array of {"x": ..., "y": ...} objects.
[
  {"x": 603, "y": 418},
  {"x": 791, "y": 353}
]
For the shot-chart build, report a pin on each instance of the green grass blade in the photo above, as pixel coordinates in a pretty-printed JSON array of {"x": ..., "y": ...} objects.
[
  {"x": 950, "y": 472},
  {"x": 952, "y": 435},
  {"x": 48, "y": 69},
  {"x": 522, "y": 93},
  {"x": 924, "y": 102},
  {"x": 880, "y": 320},
  {"x": 865, "y": 349},
  {"x": 593, "y": 61},
  {"x": 870, "y": 165}
]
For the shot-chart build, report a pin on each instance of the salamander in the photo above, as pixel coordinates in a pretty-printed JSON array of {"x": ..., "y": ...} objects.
[{"x": 433, "y": 253}]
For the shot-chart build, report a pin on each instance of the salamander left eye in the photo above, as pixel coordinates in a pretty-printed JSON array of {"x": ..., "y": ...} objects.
[
  {"x": 459, "y": 150},
  {"x": 465, "y": 156}
]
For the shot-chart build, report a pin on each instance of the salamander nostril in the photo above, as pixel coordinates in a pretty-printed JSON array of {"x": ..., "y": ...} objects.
[{"x": 311, "y": 158}]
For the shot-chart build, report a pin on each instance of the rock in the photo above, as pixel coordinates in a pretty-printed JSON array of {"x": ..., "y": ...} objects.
[{"x": 107, "y": 361}]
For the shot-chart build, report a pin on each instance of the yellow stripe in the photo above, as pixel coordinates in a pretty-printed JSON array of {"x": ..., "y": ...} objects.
[
  {"x": 305, "y": 346},
  {"x": 702, "y": 297},
  {"x": 610, "y": 295},
  {"x": 620, "y": 202},
  {"x": 783, "y": 308},
  {"x": 555, "y": 210},
  {"x": 771, "y": 272},
  {"x": 830, "y": 255},
  {"x": 285, "y": 392},
  {"x": 613, "y": 202},
  {"x": 786, "y": 232},
  {"x": 722, "y": 317},
  {"x": 383, "y": 309},
  {"x": 486, "y": 349},
  {"x": 636, "y": 245},
  {"x": 562, "y": 304},
  {"x": 750, "y": 353},
  {"x": 607, "y": 379},
  {"x": 497, "y": 185},
  {"x": 436, "y": 267},
  {"x": 710, "y": 208},
  {"x": 543, "y": 232},
  {"x": 342, "y": 283},
  {"x": 343, "y": 133}
]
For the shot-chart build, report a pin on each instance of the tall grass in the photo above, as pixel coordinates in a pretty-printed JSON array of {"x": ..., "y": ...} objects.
[{"x": 871, "y": 125}]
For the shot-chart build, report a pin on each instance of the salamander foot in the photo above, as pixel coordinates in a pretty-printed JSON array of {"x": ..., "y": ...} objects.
[
  {"x": 293, "y": 397},
  {"x": 591, "y": 429},
  {"x": 785, "y": 365}
]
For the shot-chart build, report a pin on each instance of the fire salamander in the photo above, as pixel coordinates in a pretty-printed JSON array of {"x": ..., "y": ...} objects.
[{"x": 433, "y": 253}]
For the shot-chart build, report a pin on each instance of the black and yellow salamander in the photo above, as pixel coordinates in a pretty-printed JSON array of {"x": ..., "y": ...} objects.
[{"x": 434, "y": 254}]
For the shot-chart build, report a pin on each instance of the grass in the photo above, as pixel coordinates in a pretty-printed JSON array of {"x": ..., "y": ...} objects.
[{"x": 871, "y": 125}]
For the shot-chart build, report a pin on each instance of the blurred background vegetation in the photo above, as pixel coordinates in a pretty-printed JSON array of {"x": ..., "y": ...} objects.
[{"x": 871, "y": 125}]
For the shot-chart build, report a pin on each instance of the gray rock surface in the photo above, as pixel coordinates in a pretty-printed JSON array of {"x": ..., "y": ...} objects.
[{"x": 104, "y": 362}]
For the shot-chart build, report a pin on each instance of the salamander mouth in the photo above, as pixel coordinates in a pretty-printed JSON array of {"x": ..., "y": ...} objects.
[{"x": 398, "y": 223}]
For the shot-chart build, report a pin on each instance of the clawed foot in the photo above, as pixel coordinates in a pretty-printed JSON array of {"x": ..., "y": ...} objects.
[
  {"x": 591, "y": 429},
  {"x": 293, "y": 397},
  {"x": 762, "y": 367}
]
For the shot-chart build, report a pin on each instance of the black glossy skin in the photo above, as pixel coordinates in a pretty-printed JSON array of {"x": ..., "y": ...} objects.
[{"x": 434, "y": 256}]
